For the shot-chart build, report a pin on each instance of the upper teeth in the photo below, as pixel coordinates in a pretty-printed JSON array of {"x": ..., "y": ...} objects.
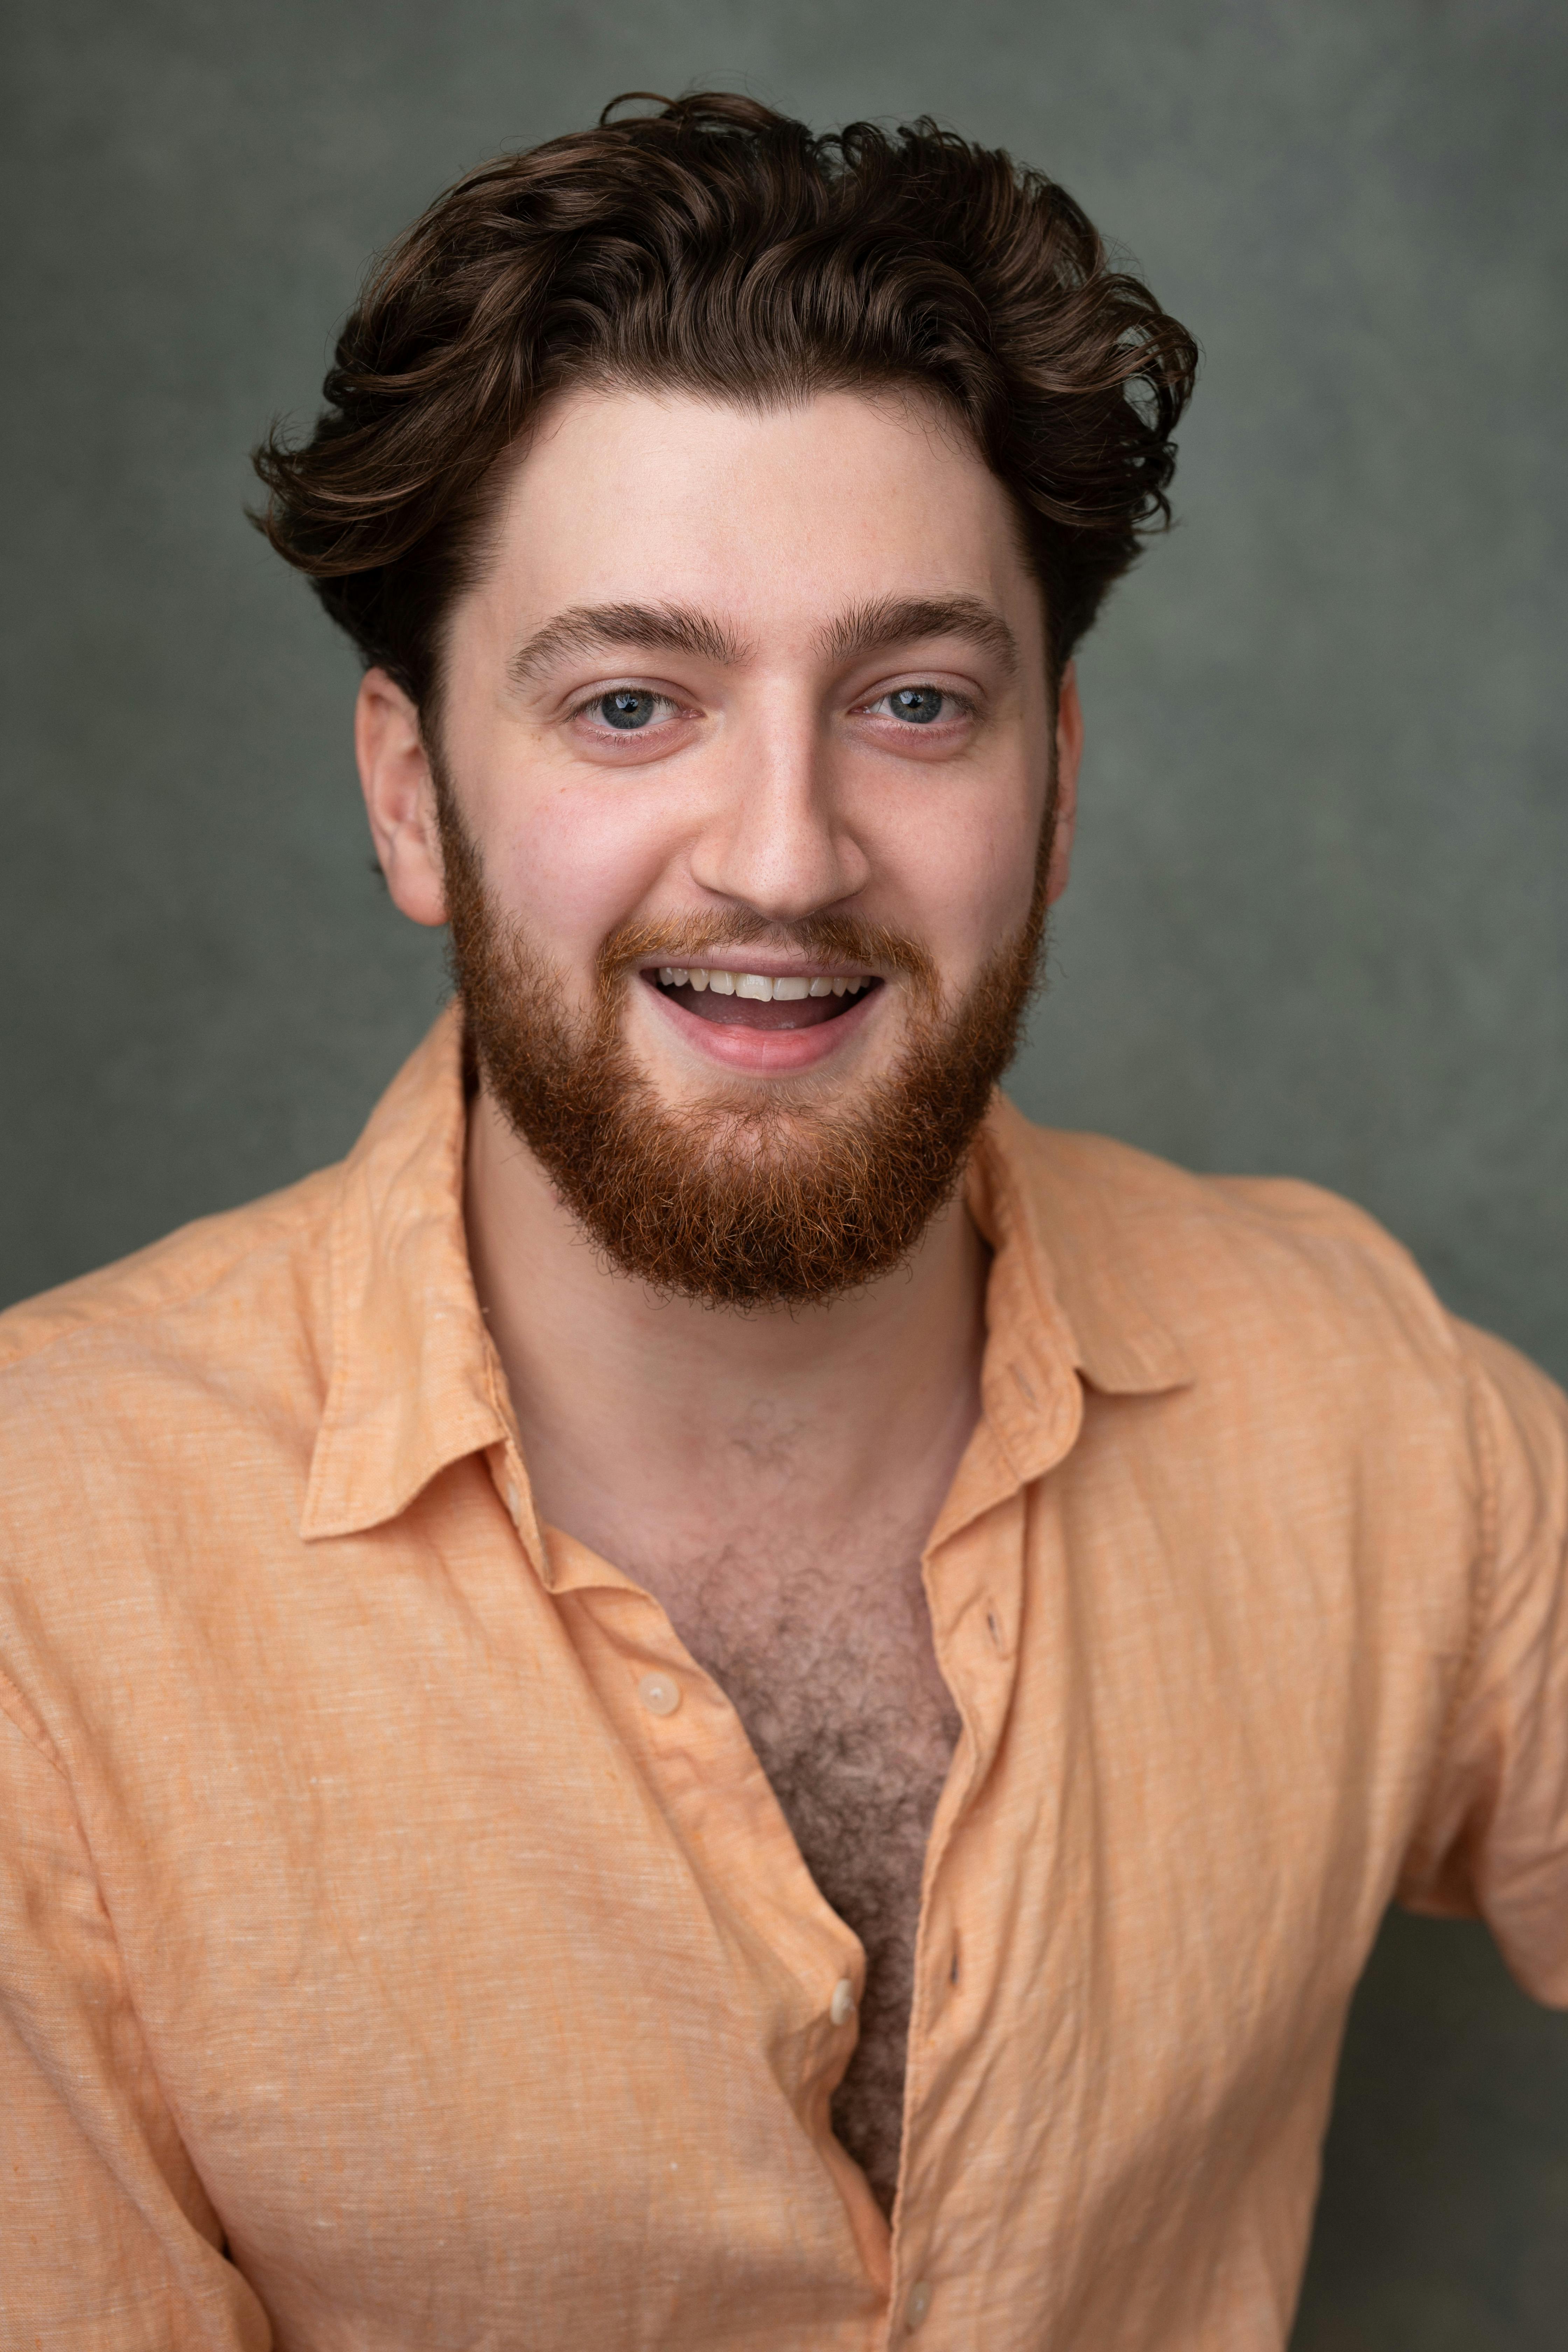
[{"x": 758, "y": 984}]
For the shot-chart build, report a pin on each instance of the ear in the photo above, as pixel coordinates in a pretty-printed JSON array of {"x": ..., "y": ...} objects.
[
  {"x": 1070, "y": 752},
  {"x": 399, "y": 797}
]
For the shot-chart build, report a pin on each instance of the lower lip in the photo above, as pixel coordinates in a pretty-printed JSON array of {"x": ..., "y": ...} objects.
[{"x": 767, "y": 1052}]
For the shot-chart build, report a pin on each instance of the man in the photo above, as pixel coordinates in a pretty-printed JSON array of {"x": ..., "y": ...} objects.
[{"x": 719, "y": 1696}]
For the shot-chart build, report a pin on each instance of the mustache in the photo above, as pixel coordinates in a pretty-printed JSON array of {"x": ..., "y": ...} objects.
[{"x": 827, "y": 939}]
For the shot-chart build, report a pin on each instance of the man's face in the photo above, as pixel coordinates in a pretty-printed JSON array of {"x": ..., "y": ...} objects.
[{"x": 758, "y": 699}]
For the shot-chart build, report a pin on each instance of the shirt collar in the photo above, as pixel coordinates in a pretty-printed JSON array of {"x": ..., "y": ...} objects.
[
  {"x": 1040, "y": 1196},
  {"x": 415, "y": 1382},
  {"x": 1059, "y": 1312}
]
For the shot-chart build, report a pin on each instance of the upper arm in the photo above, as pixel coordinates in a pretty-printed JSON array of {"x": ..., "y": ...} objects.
[
  {"x": 1494, "y": 1838},
  {"x": 108, "y": 2242}
]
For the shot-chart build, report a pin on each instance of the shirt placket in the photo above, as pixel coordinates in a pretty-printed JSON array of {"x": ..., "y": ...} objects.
[
  {"x": 698, "y": 1762},
  {"x": 803, "y": 1969},
  {"x": 973, "y": 1570}
]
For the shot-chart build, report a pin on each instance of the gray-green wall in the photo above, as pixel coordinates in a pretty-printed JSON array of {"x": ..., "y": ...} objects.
[{"x": 1320, "y": 921}]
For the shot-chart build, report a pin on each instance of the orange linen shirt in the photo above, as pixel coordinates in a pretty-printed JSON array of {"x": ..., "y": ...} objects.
[{"x": 359, "y": 1916}]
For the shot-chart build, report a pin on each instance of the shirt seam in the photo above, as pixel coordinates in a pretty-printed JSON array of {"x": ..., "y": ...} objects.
[{"x": 1483, "y": 1448}]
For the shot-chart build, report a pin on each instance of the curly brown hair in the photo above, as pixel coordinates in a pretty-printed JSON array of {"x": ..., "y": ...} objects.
[{"x": 718, "y": 247}]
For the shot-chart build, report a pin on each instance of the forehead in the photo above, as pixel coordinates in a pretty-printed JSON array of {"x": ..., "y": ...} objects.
[{"x": 770, "y": 517}]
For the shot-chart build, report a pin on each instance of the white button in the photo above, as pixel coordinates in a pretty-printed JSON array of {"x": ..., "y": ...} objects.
[
  {"x": 841, "y": 2007},
  {"x": 918, "y": 2304},
  {"x": 660, "y": 1694}
]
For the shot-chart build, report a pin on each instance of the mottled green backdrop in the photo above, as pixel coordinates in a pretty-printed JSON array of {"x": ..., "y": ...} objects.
[{"x": 1320, "y": 923}]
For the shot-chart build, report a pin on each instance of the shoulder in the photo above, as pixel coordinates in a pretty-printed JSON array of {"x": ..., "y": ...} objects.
[
  {"x": 236, "y": 1300},
  {"x": 1266, "y": 1271},
  {"x": 1302, "y": 1333},
  {"x": 156, "y": 1425}
]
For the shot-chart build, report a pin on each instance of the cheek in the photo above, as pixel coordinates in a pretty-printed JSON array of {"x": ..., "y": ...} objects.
[
  {"x": 575, "y": 863},
  {"x": 963, "y": 869}
]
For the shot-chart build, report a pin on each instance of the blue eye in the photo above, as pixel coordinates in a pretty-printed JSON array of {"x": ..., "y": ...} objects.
[
  {"x": 625, "y": 708},
  {"x": 918, "y": 704}
]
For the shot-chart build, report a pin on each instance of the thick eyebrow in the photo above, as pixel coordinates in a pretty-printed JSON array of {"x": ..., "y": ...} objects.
[
  {"x": 610, "y": 628},
  {"x": 902, "y": 620}
]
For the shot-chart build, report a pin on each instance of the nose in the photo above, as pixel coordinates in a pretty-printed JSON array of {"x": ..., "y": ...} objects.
[{"x": 778, "y": 839}]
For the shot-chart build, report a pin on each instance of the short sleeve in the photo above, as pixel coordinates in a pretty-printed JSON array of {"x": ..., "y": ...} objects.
[
  {"x": 1494, "y": 1837},
  {"x": 107, "y": 2241}
]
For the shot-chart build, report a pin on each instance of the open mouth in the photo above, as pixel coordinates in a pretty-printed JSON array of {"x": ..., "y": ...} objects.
[{"x": 755, "y": 1000}]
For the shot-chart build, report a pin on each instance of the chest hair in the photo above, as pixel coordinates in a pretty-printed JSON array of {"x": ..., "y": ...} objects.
[{"x": 836, "y": 1680}]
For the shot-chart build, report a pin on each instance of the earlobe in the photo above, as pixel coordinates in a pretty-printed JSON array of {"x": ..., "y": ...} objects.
[
  {"x": 1070, "y": 752},
  {"x": 399, "y": 797}
]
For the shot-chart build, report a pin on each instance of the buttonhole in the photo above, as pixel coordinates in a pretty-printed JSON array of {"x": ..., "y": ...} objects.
[
  {"x": 952, "y": 1972},
  {"x": 992, "y": 1628},
  {"x": 1023, "y": 1383}
]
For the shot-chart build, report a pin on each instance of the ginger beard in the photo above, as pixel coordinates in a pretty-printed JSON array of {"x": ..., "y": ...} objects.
[{"x": 757, "y": 1196}]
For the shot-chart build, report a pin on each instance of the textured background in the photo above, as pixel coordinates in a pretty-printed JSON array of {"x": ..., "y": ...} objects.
[{"x": 1319, "y": 923}]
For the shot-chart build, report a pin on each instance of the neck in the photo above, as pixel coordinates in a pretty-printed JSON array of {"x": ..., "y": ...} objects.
[{"x": 652, "y": 1423}]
